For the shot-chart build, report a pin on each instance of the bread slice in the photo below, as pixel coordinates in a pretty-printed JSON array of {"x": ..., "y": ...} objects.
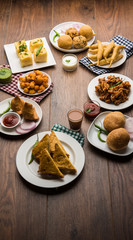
[
  {"x": 47, "y": 165},
  {"x": 43, "y": 143},
  {"x": 52, "y": 141},
  {"x": 62, "y": 161}
]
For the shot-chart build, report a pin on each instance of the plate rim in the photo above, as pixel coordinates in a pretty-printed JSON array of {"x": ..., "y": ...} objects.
[
  {"x": 110, "y": 106},
  {"x": 109, "y": 150},
  {"x": 69, "y": 50},
  {"x": 38, "y": 122},
  {"x": 36, "y": 94},
  {"x": 23, "y": 171}
]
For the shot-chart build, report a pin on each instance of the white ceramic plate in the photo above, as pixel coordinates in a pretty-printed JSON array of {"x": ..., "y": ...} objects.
[
  {"x": 29, "y": 171},
  {"x": 94, "y": 97},
  {"x": 36, "y": 94},
  {"x": 61, "y": 28},
  {"x": 94, "y": 140},
  {"x": 114, "y": 65},
  {"x": 3, "y": 106},
  {"x": 14, "y": 61}
]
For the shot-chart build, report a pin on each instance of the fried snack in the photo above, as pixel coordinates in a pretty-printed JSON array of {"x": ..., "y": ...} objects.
[
  {"x": 65, "y": 41},
  {"x": 113, "y": 90},
  {"x": 17, "y": 104},
  {"x": 47, "y": 165},
  {"x": 100, "y": 52},
  {"x": 104, "y": 61},
  {"x": 37, "y": 150},
  {"x": 62, "y": 161},
  {"x": 79, "y": 42},
  {"x": 86, "y": 31},
  {"x": 115, "y": 52},
  {"x": 72, "y": 32},
  {"x": 118, "y": 139},
  {"x": 114, "y": 120},
  {"x": 52, "y": 141},
  {"x": 29, "y": 112},
  {"x": 108, "y": 49}
]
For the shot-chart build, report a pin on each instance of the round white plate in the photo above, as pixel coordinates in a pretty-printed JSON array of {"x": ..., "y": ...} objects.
[
  {"x": 94, "y": 97},
  {"x": 114, "y": 65},
  {"x": 61, "y": 28},
  {"x": 35, "y": 94},
  {"x": 3, "y": 106},
  {"x": 30, "y": 171},
  {"x": 94, "y": 140}
]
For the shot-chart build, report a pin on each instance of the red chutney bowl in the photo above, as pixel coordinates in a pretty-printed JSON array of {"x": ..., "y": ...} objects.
[
  {"x": 91, "y": 109},
  {"x": 10, "y": 120}
]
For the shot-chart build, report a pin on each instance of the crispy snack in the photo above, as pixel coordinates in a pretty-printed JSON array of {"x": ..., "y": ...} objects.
[
  {"x": 48, "y": 166},
  {"x": 72, "y": 32},
  {"x": 86, "y": 31},
  {"x": 79, "y": 42},
  {"x": 37, "y": 150},
  {"x": 118, "y": 139},
  {"x": 65, "y": 41},
  {"x": 29, "y": 112},
  {"x": 62, "y": 161},
  {"x": 17, "y": 104},
  {"x": 114, "y": 120},
  {"x": 52, "y": 141},
  {"x": 113, "y": 90},
  {"x": 35, "y": 82}
]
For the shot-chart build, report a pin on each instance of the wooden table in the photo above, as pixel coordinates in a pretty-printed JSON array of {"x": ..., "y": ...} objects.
[{"x": 99, "y": 204}]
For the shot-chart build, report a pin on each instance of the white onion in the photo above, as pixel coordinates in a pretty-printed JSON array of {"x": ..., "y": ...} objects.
[{"x": 28, "y": 125}]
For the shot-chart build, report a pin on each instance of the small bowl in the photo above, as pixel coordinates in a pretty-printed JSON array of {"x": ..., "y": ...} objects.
[
  {"x": 91, "y": 109},
  {"x": 10, "y": 120}
]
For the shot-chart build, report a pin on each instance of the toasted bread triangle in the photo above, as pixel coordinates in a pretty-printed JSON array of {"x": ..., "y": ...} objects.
[
  {"x": 62, "y": 161},
  {"x": 47, "y": 165},
  {"x": 43, "y": 143},
  {"x": 53, "y": 140}
]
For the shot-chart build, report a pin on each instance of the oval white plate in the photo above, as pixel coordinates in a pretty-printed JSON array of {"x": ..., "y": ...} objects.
[
  {"x": 94, "y": 140},
  {"x": 114, "y": 65},
  {"x": 35, "y": 94},
  {"x": 61, "y": 28},
  {"x": 29, "y": 171},
  {"x": 94, "y": 97},
  {"x": 4, "y": 104}
]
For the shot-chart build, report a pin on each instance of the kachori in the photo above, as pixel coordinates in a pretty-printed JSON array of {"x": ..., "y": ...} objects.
[
  {"x": 114, "y": 120},
  {"x": 118, "y": 139}
]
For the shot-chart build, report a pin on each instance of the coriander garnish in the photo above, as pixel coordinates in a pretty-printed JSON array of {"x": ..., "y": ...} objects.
[{"x": 67, "y": 61}]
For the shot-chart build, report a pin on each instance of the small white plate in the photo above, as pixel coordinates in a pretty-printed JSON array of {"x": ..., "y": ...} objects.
[
  {"x": 94, "y": 140},
  {"x": 61, "y": 28},
  {"x": 3, "y": 106},
  {"x": 14, "y": 61},
  {"x": 114, "y": 65},
  {"x": 94, "y": 97},
  {"x": 36, "y": 94},
  {"x": 29, "y": 171}
]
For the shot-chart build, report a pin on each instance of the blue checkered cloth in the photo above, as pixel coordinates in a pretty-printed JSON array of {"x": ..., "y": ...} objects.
[
  {"x": 76, "y": 135},
  {"x": 118, "y": 40}
]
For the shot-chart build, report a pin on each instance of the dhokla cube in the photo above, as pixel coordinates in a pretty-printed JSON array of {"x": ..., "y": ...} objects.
[
  {"x": 35, "y": 43},
  {"x": 40, "y": 56},
  {"x": 25, "y": 58},
  {"x": 20, "y": 46}
]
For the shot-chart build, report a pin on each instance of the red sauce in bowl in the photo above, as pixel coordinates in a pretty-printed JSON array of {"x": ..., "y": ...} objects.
[
  {"x": 10, "y": 120},
  {"x": 91, "y": 110}
]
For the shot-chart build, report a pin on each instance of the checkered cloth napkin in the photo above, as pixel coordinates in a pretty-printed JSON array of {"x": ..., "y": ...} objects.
[
  {"x": 118, "y": 40},
  {"x": 76, "y": 135},
  {"x": 12, "y": 88}
]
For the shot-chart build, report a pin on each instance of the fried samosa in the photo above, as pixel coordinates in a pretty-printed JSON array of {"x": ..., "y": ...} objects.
[
  {"x": 29, "y": 112},
  {"x": 17, "y": 104}
]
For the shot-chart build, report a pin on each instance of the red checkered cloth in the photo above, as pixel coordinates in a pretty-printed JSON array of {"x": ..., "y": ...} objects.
[{"x": 12, "y": 88}]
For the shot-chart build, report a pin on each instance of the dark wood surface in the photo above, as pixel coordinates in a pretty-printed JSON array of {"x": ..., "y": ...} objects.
[{"x": 99, "y": 204}]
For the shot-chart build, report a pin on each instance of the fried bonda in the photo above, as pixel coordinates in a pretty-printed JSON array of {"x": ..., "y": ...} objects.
[
  {"x": 72, "y": 32},
  {"x": 65, "y": 41}
]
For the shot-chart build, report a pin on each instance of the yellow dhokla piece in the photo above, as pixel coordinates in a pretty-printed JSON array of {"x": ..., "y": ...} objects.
[
  {"x": 20, "y": 46},
  {"x": 35, "y": 43},
  {"x": 53, "y": 140},
  {"x": 62, "y": 161},
  {"x": 25, "y": 58},
  {"x": 43, "y": 143},
  {"x": 41, "y": 57},
  {"x": 47, "y": 166}
]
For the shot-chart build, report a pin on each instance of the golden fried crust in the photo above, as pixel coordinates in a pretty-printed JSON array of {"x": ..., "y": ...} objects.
[
  {"x": 72, "y": 32},
  {"x": 52, "y": 141},
  {"x": 43, "y": 143},
  {"x": 17, "y": 104},
  {"x": 118, "y": 139},
  {"x": 29, "y": 112},
  {"x": 65, "y": 41},
  {"x": 114, "y": 120},
  {"x": 86, "y": 31},
  {"x": 62, "y": 161},
  {"x": 79, "y": 42},
  {"x": 47, "y": 165}
]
